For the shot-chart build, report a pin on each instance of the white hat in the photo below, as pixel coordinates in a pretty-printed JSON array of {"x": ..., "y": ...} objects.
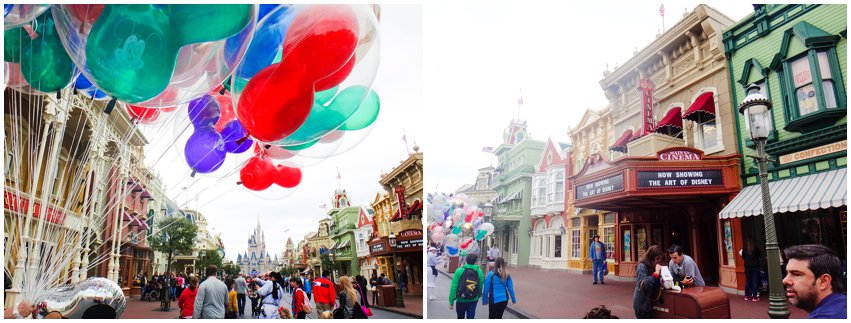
[{"x": 432, "y": 249}]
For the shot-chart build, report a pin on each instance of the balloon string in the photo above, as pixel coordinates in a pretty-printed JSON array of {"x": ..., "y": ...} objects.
[{"x": 30, "y": 31}]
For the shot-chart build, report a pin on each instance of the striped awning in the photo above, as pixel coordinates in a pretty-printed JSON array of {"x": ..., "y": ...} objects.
[{"x": 810, "y": 192}]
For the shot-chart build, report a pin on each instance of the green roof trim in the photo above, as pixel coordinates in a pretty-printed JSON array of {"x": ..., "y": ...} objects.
[
  {"x": 810, "y": 35},
  {"x": 746, "y": 72}
]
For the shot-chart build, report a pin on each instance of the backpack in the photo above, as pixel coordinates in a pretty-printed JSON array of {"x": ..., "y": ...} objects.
[
  {"x": 469, "y": 287},
  {"x": 305, "y": 305}
]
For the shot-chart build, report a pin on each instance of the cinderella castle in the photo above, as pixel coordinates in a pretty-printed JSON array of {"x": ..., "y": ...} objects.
[{"x": 256, "y": 260}]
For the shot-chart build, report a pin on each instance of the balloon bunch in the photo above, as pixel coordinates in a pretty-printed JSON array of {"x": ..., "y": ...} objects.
[
  {"x": 457, "y": 222},
  {"x": 294, "y": 81}
]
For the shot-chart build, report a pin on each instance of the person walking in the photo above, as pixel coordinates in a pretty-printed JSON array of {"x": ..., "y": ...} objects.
[
  {"x": 751, "y": 256},
  {"x": 212, "y": 297},
  {"x": 497, "y": 287},
  {"x": 254, "y": 297},
  {"x": 493, "y": 253},
  {"x": 466, "y": 288},
  {"x": 186, "y": 302},
  {"x": 241, "y": 288},
  {"x": 173, "y": 284},
  {"x": 648, "y": 287},
  {"x": 181, "y": 284},
  {"x": 402, "y": 280},
  {"x": 271, "y": 295},
  {"x": 349, "y": 301},
  {"x": 373, "y": 283},
  {"x": 299, "y": 299},
  {"x": 814, "y": 281},
  {"x": 361, "y": 287},
  {"x": 307, "y": 286},
  {"x": 143, "y": 285},
  {"x": 323, "y": 293},
  {"x": 433, "y": 262},
  {"x": 597, "y": 253},
  {"x": 232, "y": 305}
]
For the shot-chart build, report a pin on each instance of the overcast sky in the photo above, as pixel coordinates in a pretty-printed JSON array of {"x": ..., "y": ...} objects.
[
  {"x": 232, "y": 211},
  {"x": 478, "y": 56}
]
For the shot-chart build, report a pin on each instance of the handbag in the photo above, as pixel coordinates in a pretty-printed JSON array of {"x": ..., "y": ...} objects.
[
  {"x": 366, "y": 310},
  {"x": 305, "y": 305}
]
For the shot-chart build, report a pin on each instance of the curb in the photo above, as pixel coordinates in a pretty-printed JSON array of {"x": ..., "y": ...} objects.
[
  {"x": 515, "y": 311},
  {"x": 393, "y": 310}
]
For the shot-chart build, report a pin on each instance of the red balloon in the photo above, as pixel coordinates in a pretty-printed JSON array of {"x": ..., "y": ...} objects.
[
  {"x": 87, "y": 13},
  {"x": 168, "y": 109},
  {"x": 227, "y": 111},
  {"x": 288, "y": 177},
  {"x": 143, "y": 114},
  {"x": 274, "y": 152},
  {"x": 319, "y": 45},
  {"x": 258, "y": 174}
]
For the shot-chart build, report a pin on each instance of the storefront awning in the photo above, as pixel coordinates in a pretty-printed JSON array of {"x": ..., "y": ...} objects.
[
  {"x": 810, "y": 192},
  {"x": 702, "y": 109},
  {"x": 671, "y": 124},
  {"x": 343, "y": 245},
  {"x": 334, "y": 246},
  {"x": 620, "y": 144}
]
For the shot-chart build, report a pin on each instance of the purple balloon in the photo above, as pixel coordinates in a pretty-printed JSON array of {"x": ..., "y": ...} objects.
[
  {"x": 231, "y": 134},
  {"x": 204, "y": 111},
  {"x": 204, "y": 150}
]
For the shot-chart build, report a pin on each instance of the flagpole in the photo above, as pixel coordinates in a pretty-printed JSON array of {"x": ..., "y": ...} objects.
[{"x": 405, "y": 138}]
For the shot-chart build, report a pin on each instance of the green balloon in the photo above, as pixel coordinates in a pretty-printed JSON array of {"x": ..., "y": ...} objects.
[
  {"x": 481, "y": 234},
  {"x": 44, "y": 62},
  {"x": 365, "y": 115},
  {"x": 325, "y": 118},
  {"x": 323, "y": 97},
  {"x": 132, "y": 49},
  {"x": 301, "y": 146},
  {"x": 456, "y": 229}
]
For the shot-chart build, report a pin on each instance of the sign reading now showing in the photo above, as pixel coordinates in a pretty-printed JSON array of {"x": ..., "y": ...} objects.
[
  {"x": 680, "y": 178},
  {"x": 600, "y": 187}
]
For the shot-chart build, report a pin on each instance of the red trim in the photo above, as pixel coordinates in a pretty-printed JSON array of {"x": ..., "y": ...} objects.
[
  {"x": 702, "y": 109},
  {"x": 416, "y": 206},
  {"x": 620, "y": 144},
  {"x": 672, "y": 123},
  {"x": 396, "y": 216}
]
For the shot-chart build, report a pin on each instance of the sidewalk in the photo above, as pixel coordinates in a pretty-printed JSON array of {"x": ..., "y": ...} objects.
[
  {"x": 551, "y": 294},
  {"x": 413, "y": 306}
]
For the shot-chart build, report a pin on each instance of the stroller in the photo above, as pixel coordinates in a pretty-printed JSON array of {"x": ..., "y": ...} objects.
[{"x": 152, "y": 293}]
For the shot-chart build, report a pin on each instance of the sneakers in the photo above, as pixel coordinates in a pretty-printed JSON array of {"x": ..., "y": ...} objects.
[
  {"x": 756, "y": 299},
  {"x": 431, "y": 298},
  {"x": 747, "y": 298},
  {"x": 595, "y": 283}
]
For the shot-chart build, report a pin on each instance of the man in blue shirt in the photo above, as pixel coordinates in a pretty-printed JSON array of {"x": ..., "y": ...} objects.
[
  {"x": 814, "y": 281},
  {"x": 597, "y": 253},
  {"x": 307, "y": 287}
]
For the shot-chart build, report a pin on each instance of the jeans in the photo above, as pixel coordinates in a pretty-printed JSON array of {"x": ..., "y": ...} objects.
[
  {"x": 468, "y": 308},
  {"x": 173, "y": 292},
  {"x": 495, "y": 310},
  {"x": 597, "y": 269},
  {"x": 752, "y": 281},
  {"x": 240, "y": 303}
]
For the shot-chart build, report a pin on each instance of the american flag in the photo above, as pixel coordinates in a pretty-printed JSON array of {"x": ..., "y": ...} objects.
[
  {"x": 662, "y": 10},
  {"x": 487, "y": 149}
]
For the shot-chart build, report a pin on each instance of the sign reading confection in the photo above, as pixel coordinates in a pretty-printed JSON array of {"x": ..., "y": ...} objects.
[
  {"x": 680, "y": 178},
  {"x": 599, "y": 187},
  {"x": 814, "y": 152}
]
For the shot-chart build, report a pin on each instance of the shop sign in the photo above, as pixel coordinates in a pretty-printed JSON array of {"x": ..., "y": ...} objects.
[
  {"x": 377, "y": 248},
  {"x": 405, "y": 244},
  {"x": 410, "y": 233},
  {"x": 814, "y": 152},
  {"x": 680, "y": 178},
  {"x": 21, "y": 204},
  {"x": 679, "y": 155},
  {"x": 647, "y": 89},
  {"x": 600, "y": 187}
]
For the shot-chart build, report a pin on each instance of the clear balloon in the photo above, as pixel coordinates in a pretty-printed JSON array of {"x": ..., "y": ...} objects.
[
  {"x": 38, "y": 48},
  {"x": 16, "y": 15},
  {"x": 204, "y": 111},
  {"x": 156, "y": 55}
]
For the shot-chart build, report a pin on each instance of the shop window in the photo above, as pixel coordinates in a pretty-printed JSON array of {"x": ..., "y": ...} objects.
[
  {"x": 707, "y": 134},
  {"x": 609, "y": 240},
  {"x": 627, "y": 241},
  {"x": 575, "y": 243},
  {"x": 548, "y": 253},
  {"x": 727, "y": 240},
  {"x": 551, "y": 187},
  {"x": 609, "y": 218},
  {"x": 557, "y": 246},
  {"x": 575, "y": 222}
]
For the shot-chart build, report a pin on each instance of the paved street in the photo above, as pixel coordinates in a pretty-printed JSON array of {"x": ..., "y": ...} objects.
[
  {"x": 556, "y": 294},
  {"x": 137, "y": 309},
  {"x": 439, "y": 308}
]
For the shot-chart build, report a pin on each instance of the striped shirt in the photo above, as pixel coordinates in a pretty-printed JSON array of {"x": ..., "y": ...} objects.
[{"x": 211, "y": 299}]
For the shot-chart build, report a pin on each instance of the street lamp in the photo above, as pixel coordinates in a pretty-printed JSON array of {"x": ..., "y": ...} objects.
[
  {"x": 400, "y": 302},
  {"x": 488, "y": 209},
  {"x": 756, "y": 109}
]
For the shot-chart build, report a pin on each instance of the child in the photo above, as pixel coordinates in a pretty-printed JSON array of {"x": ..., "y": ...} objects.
[{"x": 232, "y": 307}]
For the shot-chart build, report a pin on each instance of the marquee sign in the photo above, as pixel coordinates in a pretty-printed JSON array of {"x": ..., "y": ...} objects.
[
  {"x": 599, "y": 187},
  {"x": 405, "y": 244},
  {"x": 377, "y": 248},
  {"x": 680, "y": 178}
]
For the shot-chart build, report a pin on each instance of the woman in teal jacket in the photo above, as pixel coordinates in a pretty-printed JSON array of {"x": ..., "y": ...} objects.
[{"x": 497, "y": 287}]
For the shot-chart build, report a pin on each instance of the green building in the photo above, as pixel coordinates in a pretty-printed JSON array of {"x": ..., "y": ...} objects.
[
  {"x": 345, "y": 219},
  {"x": 797, "y": 54},
  {"x": 518, "y": 155}
]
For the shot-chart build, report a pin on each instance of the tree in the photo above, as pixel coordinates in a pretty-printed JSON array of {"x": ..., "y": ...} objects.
[
  {"x": 207, "y": 258},
  {"x": 230, "y": 268},
  {"x": 327, "y": 263},
  {"x": 174, "y": 235}
]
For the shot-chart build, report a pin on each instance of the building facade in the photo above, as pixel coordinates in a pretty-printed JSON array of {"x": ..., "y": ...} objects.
[
  {"x": 256, "y": 259},
  {"x": 363, "y": 234},
  {"x": 549, "y": 207},
  {"x": 517, "y": 155},
  {"x": 797, "y": 55},
  {"x": 345, "y": 218},
  {"x": 481, "y": 191}
]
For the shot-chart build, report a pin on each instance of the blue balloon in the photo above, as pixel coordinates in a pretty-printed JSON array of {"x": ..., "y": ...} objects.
[
  {"x": 231, "y": 134},
  {"x": 451, "y": 250},
  {"x": 267, "y": 41},
  {"x": 205, "y": 150},
  {"x": 83, "y": 84},
  {"x": 7, "y": 8},
  {"x": 204, "y": 111},
  {"x": 265, "y": 9}
]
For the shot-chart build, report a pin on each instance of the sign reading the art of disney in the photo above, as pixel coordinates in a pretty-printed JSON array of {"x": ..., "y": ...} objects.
[
  {"x": 680, "y": 178},
  {"x": 600, "y": 187}
]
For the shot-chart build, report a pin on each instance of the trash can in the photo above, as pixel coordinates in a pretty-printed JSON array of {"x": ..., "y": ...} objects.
[
  {"x": 387, "y": 295},
  {"x": 692, "y": 303},
  {"x": 453, "y": 264}
]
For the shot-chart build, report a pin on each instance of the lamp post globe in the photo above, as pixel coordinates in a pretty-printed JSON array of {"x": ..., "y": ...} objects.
[{"x": 756, "y": 109}]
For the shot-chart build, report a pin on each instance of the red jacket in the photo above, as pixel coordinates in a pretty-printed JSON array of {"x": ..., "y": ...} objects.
[
  {"x": 186, "y": 302},
  {"x": 323, "y": 291},
  {"x": 298, "y": 300}
]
